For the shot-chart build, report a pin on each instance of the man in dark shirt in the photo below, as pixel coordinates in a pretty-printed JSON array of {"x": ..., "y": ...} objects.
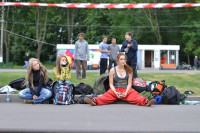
[{"x": 130, "y": 47}]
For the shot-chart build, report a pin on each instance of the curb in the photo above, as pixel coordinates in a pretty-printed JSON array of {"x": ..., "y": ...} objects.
[{"x": 14, "y": 98}]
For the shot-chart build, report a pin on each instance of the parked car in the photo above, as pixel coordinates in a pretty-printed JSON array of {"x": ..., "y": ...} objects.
[{"x": 186, "y": 66}]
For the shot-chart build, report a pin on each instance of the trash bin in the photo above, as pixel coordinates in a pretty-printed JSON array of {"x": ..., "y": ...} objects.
[
  {"x": 179, "y": 67},
  {"x": 1, "y": 65},
  {"x": 9, "y": 65}
]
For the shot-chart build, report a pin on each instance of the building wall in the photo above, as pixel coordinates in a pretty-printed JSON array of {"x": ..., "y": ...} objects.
[{"x": 68, "y": 50}]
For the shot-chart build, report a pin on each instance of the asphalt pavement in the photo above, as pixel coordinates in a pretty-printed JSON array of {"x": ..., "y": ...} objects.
[
  {"x": 83, "y": 118},
  {"x": 118, "y": 118}
]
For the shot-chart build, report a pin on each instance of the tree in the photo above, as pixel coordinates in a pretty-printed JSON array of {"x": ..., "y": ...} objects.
[
  {"x": 40, "y": 29},
  {"x": 151, "y": 15},
  {"x": 7, "y": 33}
]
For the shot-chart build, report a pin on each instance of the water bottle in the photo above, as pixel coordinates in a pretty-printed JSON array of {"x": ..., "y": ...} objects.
[
  {"x": 8, "y": 96},
  {"x": 127, "y": 50},
  {"x": 190, "y": 102}
]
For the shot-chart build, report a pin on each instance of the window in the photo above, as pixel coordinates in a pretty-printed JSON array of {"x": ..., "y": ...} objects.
[
  {"x": 164, "y": 57},
  {"x": 172, "y": 57}
]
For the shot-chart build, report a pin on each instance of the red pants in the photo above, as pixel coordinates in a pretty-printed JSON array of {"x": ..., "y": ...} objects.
[{"x": 132, "y": 97}]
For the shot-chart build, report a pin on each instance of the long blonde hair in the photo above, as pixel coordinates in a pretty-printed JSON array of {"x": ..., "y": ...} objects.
[
  {"x": 126, "y": 67},
  {"x": 58, "y": 66},
  {"x": 29, "y": 75}
]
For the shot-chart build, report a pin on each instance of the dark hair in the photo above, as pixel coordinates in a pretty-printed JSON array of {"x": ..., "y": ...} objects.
[
  {"x": 104, "y": 37},
  {"x": 126, "y": 67},
  {"x": 129, "y": 34},
  {"x": 113, "y": 38},
  {"x": 81, "y": 34}
]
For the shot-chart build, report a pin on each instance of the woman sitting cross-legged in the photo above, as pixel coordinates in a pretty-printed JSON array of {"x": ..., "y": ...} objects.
[
  {"x": 62, "y": 72},
  {"x": 120, "y": 79},
  {"x": 36, "y": 78}
]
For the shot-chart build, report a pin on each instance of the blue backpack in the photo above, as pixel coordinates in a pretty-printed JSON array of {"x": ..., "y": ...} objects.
[{"x": 64, "y": 93}]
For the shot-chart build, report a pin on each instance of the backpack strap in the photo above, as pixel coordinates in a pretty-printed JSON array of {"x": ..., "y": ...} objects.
[
  {"x": 157, "y": 82},
  {"x": 73, "y": 93}
]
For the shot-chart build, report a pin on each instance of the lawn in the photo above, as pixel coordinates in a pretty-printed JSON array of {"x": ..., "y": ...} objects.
[
  {"x": 47, "y": 65},
  {"x": 181, "y": 81}
]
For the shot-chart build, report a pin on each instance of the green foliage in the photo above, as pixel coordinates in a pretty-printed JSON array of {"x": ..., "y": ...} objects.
[{"x": 178, "y": 26}]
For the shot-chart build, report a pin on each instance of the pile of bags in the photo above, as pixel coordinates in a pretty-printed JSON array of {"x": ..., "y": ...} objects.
[
  {"x": 159, "y": 91},
  {"x": 64, "y": 93}
]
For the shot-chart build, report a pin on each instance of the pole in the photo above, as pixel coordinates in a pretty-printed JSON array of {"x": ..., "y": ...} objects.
[{"x": 2, "y": 25}]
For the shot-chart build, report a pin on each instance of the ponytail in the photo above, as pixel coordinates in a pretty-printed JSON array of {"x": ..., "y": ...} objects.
[{"x": 128, "y": 69}]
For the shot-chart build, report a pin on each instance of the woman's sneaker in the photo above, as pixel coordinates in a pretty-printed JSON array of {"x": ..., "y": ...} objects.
[
  {"x": 90, "y": 101},
  {"x": 150, "y": 102}
]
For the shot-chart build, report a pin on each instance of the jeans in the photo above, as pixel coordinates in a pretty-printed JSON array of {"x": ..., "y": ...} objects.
[
  {"x": 78, "y": 68},
  {"x": 103, "y": 65},
  {"x": 26, "y": 65},
  {"x": 133, "y": 65},
  {"x": 26, "y": 94},
  {"x": 110, "y": 64}
]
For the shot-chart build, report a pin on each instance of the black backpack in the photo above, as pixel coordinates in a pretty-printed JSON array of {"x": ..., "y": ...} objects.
[
  {"x": 17, "y": 84},
  {"x": 171, "y": 96},
  {"x": 83, "y": 89},
  {"x": 50, "y": 81}
]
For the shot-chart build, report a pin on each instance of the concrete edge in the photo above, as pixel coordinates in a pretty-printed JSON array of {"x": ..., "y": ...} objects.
[{"x": 14, "y": 98}]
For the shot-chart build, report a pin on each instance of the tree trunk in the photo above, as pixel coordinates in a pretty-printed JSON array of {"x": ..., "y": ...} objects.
[
  {"x": 159, "y": 38},
  {"x": 150, "y": 18},
  {"x": 40, "y": 31},
  {"x": 68, "y": 27},
  {"x": 70, "y": 23},
  {"x": 188, "y": 55},
  {"x": 7, "y": 35},
  {"x": 7, "y": 54},
  {"x": 39, "y": 50}
]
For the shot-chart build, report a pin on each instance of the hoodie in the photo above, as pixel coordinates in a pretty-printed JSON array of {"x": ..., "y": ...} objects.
[
  {"x": 132, "y": 50},
  {"x": 81, "y": 51}
]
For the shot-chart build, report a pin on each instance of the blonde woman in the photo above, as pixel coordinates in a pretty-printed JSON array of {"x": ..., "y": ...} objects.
[
  {"x": 36, "y": 78},
  {"x": 62, "y": 71}
]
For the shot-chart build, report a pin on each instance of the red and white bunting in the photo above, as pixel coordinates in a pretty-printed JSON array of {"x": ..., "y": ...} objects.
[{"x": 104, "y": 5}]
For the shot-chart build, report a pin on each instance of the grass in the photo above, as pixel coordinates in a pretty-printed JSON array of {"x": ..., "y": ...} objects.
[
  {"x": 181, "y": 81},
  {"x": 47, "y": 65}
]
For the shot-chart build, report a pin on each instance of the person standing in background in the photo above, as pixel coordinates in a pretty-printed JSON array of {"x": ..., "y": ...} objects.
[
  {"x": 130, "y": 47},
  {"x": 81, "y": 56},
  {"x": 26, "y": 61},
  {"x": 103, "y": 48},
  {"x": 114, "y": 50},
  {"x": 196, "y": 63}
]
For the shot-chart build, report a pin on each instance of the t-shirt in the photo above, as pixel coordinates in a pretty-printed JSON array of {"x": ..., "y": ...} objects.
[
  {"x": 104, "y": 47},
  {"x": 114, "y": 50}
]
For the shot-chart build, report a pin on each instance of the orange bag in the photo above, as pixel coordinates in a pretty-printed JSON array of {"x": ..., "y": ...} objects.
[{"x": 157, "y": 87}]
